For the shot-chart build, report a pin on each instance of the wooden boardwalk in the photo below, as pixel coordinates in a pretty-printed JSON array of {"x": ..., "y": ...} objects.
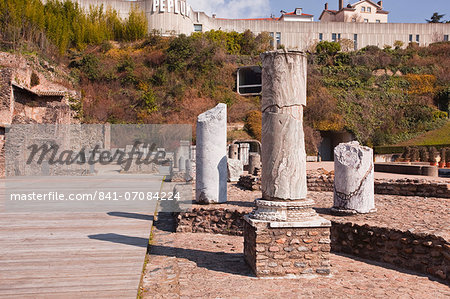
[
  {"x": 76, "y": 255},
  {"x": 72, "y": 255}
]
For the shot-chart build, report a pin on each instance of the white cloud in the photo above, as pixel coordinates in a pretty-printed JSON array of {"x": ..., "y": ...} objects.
[{"x": 233, "y": 8}]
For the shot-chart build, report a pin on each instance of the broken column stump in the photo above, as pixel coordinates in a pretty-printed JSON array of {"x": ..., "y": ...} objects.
[{"x": 354, "y": 179}]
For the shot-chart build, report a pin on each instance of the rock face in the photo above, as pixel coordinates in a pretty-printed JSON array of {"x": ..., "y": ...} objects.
[
  {"x": 354, "y": 178},
  {"x": 235, "y": 169},
  {"x": 283, "y": 146},
  {"x": 211, "y": 156}
]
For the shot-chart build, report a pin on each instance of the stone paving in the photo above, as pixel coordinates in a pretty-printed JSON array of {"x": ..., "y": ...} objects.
[
  {"x": 417, "y": 214},
  {"x": 186, "y": 265}
]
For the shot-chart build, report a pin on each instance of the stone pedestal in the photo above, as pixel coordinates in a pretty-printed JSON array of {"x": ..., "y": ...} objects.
[
  {"x": 211, "y": 160},
  {"x": 284, "y": 236},
  {"x": 287, "y": 249},
  {"x": 354, "y": 179}
]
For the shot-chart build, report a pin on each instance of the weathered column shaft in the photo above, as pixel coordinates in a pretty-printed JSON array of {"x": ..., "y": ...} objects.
[
  {"x": 283, "y": 150},
  {"x": 211, "y": 156}
]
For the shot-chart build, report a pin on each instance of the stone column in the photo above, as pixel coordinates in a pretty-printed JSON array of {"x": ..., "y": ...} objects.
[
  {"x": 181, "y": 164},
  {"x": 182, "y": 150},
  {"x": 254, "y": 161},
  {"x": 211, "y": 159},
  {"x": 353, "y": 179},
  {"x": 271, "y": 233},
  {"x": 233, "y": 151},
  {"x": 244, "y": 150}
]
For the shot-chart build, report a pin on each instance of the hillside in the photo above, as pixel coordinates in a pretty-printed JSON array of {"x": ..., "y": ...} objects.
[
  {"x": 434, "y": 137},
  {"x": 125, "y": 75}
]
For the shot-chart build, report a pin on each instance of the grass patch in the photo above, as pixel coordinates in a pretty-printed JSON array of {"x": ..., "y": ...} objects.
[{"x": 435, "y": 137}]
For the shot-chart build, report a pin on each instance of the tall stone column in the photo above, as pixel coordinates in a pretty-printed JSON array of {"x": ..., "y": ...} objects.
[
  {"x": 211, "y": 156},
  {"x": 285, "y": 213}
]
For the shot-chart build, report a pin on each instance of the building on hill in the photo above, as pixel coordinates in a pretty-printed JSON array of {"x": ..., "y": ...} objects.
[
  {"x": 293, "y": 30},
  {"x": 364, "y": 11}
]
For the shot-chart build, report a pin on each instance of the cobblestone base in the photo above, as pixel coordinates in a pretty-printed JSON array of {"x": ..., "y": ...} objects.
[{"x": 287, "y": 251}]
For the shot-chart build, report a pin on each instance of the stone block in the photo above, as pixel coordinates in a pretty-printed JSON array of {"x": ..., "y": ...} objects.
[{"x": 235, "y": 170}]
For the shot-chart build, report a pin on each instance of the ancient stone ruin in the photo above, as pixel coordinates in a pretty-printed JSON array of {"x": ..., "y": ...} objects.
[
  {"x": 354, "y": 179},
  {"x": 211, "y": 156},
  {"x": 284, "y": 235}
]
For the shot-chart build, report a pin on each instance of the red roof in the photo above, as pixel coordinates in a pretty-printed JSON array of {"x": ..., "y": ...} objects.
[{"x": 303, "y": 14}]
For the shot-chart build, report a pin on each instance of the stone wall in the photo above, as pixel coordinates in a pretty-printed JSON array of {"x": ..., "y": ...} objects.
[
  {"x": 5, "y": 95},
  {"x": 408, "y": 187},
  {"x": 287, "y": 251},
  {"x": 422, "y": 253},
  {"x": 217, "y": 221},
  {"x": 320, "y": 181},
  {"x": 324, "y": 182}
]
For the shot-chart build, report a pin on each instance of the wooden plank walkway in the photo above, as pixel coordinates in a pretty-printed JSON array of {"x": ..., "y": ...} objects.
[{"x": 72, "y": 255}]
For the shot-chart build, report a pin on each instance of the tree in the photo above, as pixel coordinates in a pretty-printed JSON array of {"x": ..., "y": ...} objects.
[{"x": 436, "y": 18}]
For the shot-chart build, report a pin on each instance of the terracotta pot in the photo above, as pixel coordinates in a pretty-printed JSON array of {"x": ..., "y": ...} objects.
[
  {"x": 448, "y": 165},
  {"x": 433, "y": 163},
  {"x": 441, "y": 164}
]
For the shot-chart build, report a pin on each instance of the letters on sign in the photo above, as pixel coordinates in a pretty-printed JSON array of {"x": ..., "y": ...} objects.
[{"x": 175, "y": 6}]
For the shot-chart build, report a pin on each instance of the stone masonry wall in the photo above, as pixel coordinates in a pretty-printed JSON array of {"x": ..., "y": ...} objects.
[
  {"x": 324, "y": 182},
  {"x": 287, "y": 251},
  {"x": 422, "y": 253},
  {"x": 5, "y": 95},
  {"x": 217, "y": 221}
]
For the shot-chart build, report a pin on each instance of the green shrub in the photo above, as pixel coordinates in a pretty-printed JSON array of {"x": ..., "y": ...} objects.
[
  {"x": 89, "y": 65},
  {"x": 432, "y": 152},
  {"x": 180, "y": 50},
  {"x": 328, "y": 48},
  {"x": 34, "y": 80},
  {"x": 423, "y": 154},
  {"x": 253, "y": 124}
]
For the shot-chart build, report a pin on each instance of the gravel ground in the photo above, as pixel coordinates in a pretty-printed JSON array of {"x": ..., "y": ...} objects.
[{"x": 186, "y": 265}]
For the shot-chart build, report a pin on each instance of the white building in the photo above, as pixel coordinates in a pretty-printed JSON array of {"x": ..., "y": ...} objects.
[
  {"x": 362, "y": 11},
  {"x": 293, "y": 30}
]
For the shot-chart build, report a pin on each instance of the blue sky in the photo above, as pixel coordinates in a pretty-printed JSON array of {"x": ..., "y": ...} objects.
[{"x": 401, "y": 11}]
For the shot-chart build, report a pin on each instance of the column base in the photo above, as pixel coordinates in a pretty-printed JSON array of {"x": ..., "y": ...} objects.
[{"x": 287, "y": 249}]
